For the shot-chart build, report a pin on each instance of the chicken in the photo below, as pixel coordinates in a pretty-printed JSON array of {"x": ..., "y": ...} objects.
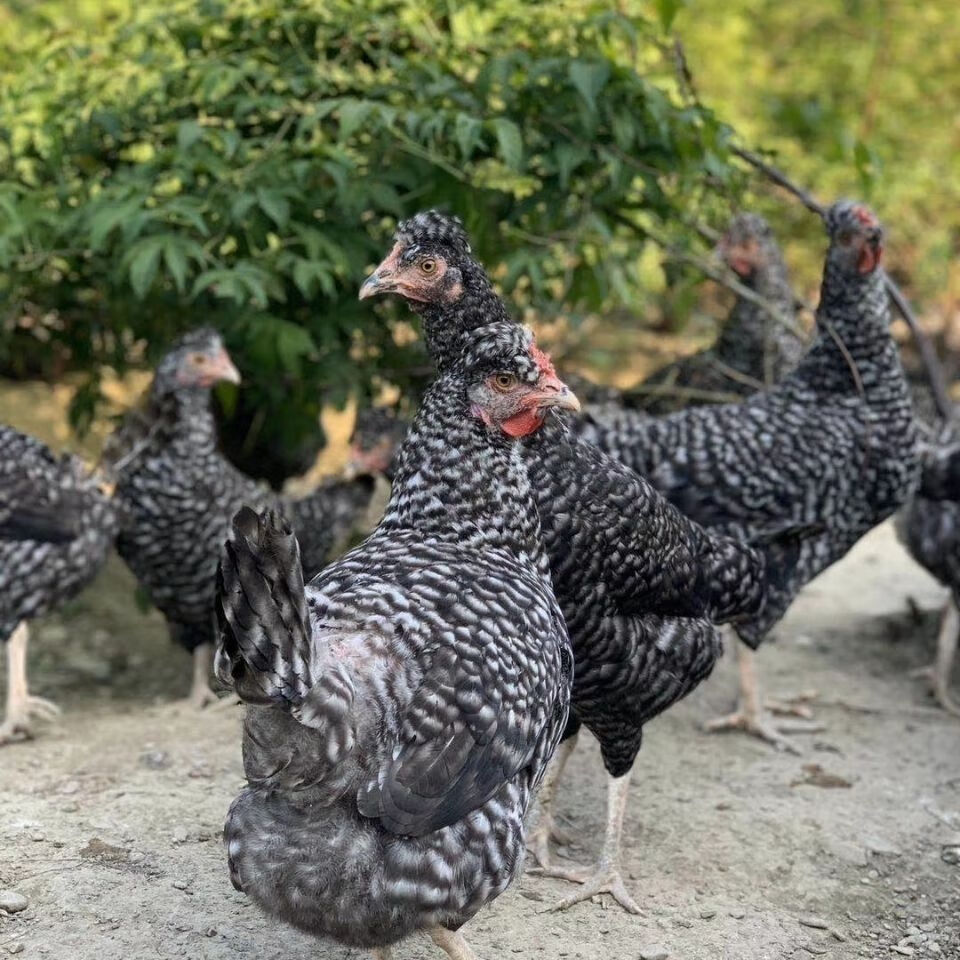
[
  {"x": 403, "y": 706},
  {"x": 56, "y": 528},
  {"x": 930, "y": 529},
  {"x": 752, "y": 349},
  {"x": 640, "y": 585},
  {"x": 179, "y": 494},
  {"x": 834, "y": 444}
]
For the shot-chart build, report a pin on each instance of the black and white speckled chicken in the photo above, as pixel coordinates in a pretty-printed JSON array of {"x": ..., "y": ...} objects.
[
  {"x": 752, "y": 349},
  {"x": 403, "y": 706},
  {"x": 929, "y": 527},
  {"x": 56, "y": 528},
  {"x": 179, "y": 494},
  {"x": 638, "y": 582},
  {"x": 834, "y": 444}
]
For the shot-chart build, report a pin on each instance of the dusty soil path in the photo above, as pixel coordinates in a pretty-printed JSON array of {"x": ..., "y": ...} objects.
[{"x": 109, "y": 824}]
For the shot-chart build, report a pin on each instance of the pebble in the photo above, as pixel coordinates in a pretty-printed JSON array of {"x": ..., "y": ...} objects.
[
  {"x": 950, "y": 854},
  {"x": 12, "y": 901},
  {"x": 210, "y": 932},
  {"x": 707, "y": 914},
  {"x": 155, "y": 759},
  {"x": 180, "y": 884},
  {"x": 38, "y": 837},
  {"x": 654, "y": 953},
  {"x": 934, "y": 947},
  {"x": 71, "y": 806},
  {"x": 903, "y": 951},
  {"x": 737, "y": 914},
  {"x": 15, "y": 948},
  {"x": 71, "y": 786},
  {"x": 814, "y": 922},
  {"x": 180, "y": 835}
]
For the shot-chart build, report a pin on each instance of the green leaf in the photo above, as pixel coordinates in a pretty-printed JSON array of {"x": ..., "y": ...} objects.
[
  {"x": 352, "y": 115},
  {"x": 188, "y": 133},
  {"x": 589, "y": 79},
  {"x": 466, "y": 131},
  {"x": 142, "y": 261},
  {"x": 667, "y": 11},
  {"x": 509, "y": 142},
  {"x": 275, "y": 205}
]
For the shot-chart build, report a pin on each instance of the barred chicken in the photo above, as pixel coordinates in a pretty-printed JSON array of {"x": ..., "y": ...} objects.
[
  {"x": 56, "y": 528},
  {"x": 179, "y": 494},
  {"x": 834, "y": 445},
  {"x": 639, "y": 584},
  {"x": 930, "y": 529},
  {"x": 403, "y": 706}
]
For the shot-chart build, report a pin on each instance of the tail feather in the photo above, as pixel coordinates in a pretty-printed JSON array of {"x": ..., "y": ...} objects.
[{"x": 264, "y": 625}]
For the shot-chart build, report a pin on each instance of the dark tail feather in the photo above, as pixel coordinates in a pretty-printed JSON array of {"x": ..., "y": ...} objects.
[{"x": 264, "y": 626}]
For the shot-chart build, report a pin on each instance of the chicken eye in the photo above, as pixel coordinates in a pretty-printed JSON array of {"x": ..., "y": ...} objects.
[
  {"x": 428, "y": 266},
  {"x": 197, "y": 359},
  {"x": 504, "y": 382}
]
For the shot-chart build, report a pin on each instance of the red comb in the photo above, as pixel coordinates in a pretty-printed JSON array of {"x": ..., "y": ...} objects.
[
  {"x": 865, "y": 217},
  {"x": 542, "y": 360}
]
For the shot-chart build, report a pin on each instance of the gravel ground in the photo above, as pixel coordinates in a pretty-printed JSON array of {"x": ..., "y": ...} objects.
[{"x": 110, "y": 821}]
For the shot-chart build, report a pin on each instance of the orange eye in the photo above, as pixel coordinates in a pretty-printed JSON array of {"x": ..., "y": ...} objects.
[
  {"x": 428, "y": 266},
  {"x": 504, "y": 382},
  {"x": 197, "y": 359}
]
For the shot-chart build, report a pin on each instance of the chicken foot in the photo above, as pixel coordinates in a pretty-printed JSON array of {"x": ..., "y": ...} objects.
[
  {"x": 547, "y": 829},
  {"x": 22, "y": 707},
  {"x": 938, "y": 673},
  {"x": 604, "y": 876},
  {"x": 452, "y": 943},
  {"x": 750, "y": 716}
]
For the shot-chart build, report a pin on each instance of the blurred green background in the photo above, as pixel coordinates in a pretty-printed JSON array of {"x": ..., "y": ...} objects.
[{"x": 165, "y": 164}]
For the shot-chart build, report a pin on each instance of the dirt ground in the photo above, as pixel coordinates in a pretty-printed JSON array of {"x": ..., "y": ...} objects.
[{"x": 110, "y": 821}]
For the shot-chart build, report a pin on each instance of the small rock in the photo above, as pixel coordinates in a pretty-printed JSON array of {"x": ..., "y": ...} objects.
[
  {"x": 903, "y": 951},
  {"x": 737, "y": 914},
  {"x": 155, "y": 759},
  {"x": 38, "y": 837},
  {"x": 934, "y": 947},
  {"x": 654, "y": 953},
  {"x": 814, "y": 923},
  {"x": 70, "y": 787},
  {"x": 846, "y": 851},
  {"x": 210, "y": 932},
  {"x": 15, "y": 948},
  {"x": 707, "y": 914},
  {"x": 71, "y": 806},
  {"x": 180, "y": 835},
  {"x": 180, "y": 884},
  {"x": 950, "y": 854},
  {"x": 12, "y": 901},
  {"x": 882, "y": 848}
]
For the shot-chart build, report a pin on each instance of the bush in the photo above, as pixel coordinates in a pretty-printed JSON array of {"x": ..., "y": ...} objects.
[{"x": 165, "y": 164}]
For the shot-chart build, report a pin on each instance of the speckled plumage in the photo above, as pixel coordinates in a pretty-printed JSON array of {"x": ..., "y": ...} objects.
[
  {"x": 56, "y": 528},
  {"x": 624, "y": 562},
  {"x": 813, "y": 450},
  {"x": 180, "y": 492},
  {"x": 412, "y": 693}
]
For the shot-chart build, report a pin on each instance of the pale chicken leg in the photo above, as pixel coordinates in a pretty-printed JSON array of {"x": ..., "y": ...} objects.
[
  {"x": 938, "y": 673},
  {"x": 538, "y": 840},
  {"x": 22, "y": 707},
  {"x": 605, "y": 876},
  {"x": 750, "y": 716},
  {"x": 452, "y": 943}
]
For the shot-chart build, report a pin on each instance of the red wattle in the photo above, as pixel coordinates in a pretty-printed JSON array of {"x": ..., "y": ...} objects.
[
  {"x": 868, "y": 259},
  {"x": 522, "y": 424}
]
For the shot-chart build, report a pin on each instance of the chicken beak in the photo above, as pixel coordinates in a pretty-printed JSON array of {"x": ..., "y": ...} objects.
[
  {"x": 553, "y": 392},
  {"x": 383, "y": 279},
  {"x": 221, "y": 368}
]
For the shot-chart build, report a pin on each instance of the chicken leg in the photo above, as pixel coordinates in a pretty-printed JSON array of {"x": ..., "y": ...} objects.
[
  {"x": 201, "y": 695},
  {"x": 538, "y": 840},
  {"x": 750, "y": 716},
  {"x": 22, "y": 707},
  {"x": 938, "y": 673},
  {"x": 605, "y": 876},
  {"x": 452, "y": 943}
]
